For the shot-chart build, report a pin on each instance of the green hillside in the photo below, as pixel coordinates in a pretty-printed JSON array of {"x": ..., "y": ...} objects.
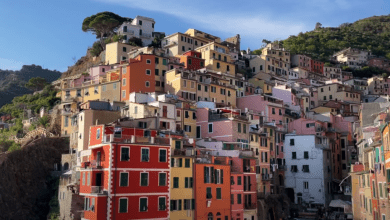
[{"x": 371, "y": 33}]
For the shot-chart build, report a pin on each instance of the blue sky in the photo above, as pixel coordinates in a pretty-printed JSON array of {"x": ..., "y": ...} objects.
[{"x": 48, "y": 32}]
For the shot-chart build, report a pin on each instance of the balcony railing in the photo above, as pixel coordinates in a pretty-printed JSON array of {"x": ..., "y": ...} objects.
[
  {"x": 170, "y": 43},
  {"x": 281, "y": 167},
  {"x": 250, "y": 206},
  {"x": 266, "y": 177},
  {"x": 131, "y": 139},
  {"x": 183, "y": 152},
  {"x": 97, "y": 189},
  {"x": 144, "y": 35}
]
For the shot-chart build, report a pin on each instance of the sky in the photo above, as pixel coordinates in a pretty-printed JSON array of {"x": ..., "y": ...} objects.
[{"x": 48, "y": 32}]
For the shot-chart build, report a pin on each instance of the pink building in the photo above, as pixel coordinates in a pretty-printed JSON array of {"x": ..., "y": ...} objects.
[{"x": 223, "y": 125}]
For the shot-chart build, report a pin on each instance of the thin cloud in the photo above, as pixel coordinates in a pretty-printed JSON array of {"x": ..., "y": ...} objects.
[
  {"x": 252, "y": 26},
  {"x": 9, "y": 64}
]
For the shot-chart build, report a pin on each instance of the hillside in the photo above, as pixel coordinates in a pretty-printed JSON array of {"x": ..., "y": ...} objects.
[
  {"x": 371, "y": 33},
  {"x": 26, "y": 186},
  {"x": 12, "y": 82}
]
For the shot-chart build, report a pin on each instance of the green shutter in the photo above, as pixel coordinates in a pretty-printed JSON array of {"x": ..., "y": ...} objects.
[
  {"x": 219, "y": 193},
  {"x": 172, "y": 162},
  {"x": 175, "y": 182},
  {"x": 212, "y": 174},
  {"x": 187, "y": 163},
  {"x": 185, "y": 204},
  {"x": 122, "y": 205},
  {"x": 205, "y": 175},
  {"x": 143, "y": 204},
  {"x": 186, "y": 182},
  {"x": 124, "y": 179},
  {"x": 191, "y": 182},
  {"x": 181, "y": 162},
  {"x": 208, "y": 193},
  {"x": 179, "y": 204},
  {"x": 193, "y": 204},
  {"x": 215, "y": 176},
  {"x": 221, "y": 176}
]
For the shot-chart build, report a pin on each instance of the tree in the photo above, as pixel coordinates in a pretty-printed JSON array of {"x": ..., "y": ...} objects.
[
  {"x": 257, "y": 52},
  {"x": 135, "y": 41},
  {"x": 265, "y": 41},
  {"x": 36, "y": 83},
  {"x": 103, "y": 24}
]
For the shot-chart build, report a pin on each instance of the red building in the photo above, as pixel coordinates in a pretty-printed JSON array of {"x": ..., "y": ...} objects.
[
  {"x": 138, "y": 75},
  {"x": 212, "y": 188},
  {"x": 381, "y": 63},
  {"x": 192, "y": 60},
  {"x": 317, "y": 66},
  {"x": 127, "y": 174}
]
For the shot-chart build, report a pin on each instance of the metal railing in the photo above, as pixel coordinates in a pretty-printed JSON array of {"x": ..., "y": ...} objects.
[
  {"x": 131, "y": 139},
  {"x": 97, "y": 189},
  {"x": 265, "y": 176},
  {"x": 250, "y": 206},
  {"x": 145, "y": 35}
]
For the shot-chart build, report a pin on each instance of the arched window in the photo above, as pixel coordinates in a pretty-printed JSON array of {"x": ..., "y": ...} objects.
[
  {"x": 210, "y": 216},
  {"x": 66, "y": 166}
]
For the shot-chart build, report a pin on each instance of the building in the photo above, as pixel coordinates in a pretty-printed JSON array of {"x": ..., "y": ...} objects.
[
  {"x": 117, "y": 154},
  {"x": 358, "y": 85},
  {"x": 302, "y": 61},
  {"x": 217, "y": 58},
  {"x": 139, "y": 69},
  {"x": 378, "y": 85},
  {"x": 338, "y": 92},
  {"x": 212, "y": 187},
  {"x": 140, "y": 27},
  {"x": 317, "y": 66},
  {"x": 308, "y": 174},
  {"x": 192, "y": 60},
  {"x": 116, "y": 52},
  {"x": 352, "y": 57},
  {"x": 380, "y": 63}
]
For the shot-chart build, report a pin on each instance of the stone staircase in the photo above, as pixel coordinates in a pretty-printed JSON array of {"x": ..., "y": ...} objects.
[{"x": 39, "y": 132}]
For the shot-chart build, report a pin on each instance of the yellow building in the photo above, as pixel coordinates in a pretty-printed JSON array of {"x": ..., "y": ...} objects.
[
  {"x": 186, "y": 118},
  {"x": 200, "y": 87},
  {"x": 338, "y": 92},
  {"x": 323, "y": 109},
  {"x": 202, "y": 35},
  {"x": 277, "y": 59},
  {"x": 217, "y": 58},
  {"x": 178, "y": 43},
  {"x": 161, "y": 67},
  {"x": 181, "y": 181},
  {"x": 116, "y": 52},
  {"x": 138, "y": 110}
]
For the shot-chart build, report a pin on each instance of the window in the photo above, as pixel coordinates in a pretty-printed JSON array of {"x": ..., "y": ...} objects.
[
  {"x": 187, "y": 163},
  {"x": 292, "y": 142},
  {"x": 210, "y": 128},
  {"x": 140, "y": 22},
  {"x": 294, "y": 168},
  {"x": 114, "y": 86},
  {"x": 143, "y": 204},
  {"x": 148, "y": 72},
  {"x": 294, "y": 155},
  {"x": 183, "y": 48},
  {"x": 208, "y": 193},
  {"x": 380, "y": 190},
  {"x": 206, "y": 88},
  {"x": 124, "y": 179},
  {"x": 147, "y": 83},
  {"x": 188, "y": 182},
  {"x": 123, "y": 93},
  {"x": 280, "y": 111},
  {"x": 239, "y": 127},
  {"x": 273, "y": 111},
  {"x": 305, "y": 168},
  {"x": 306, "y": 185},
  {"x": 122, "y": 205},
  {"x": 306, "y": 154},
  {"x": 232, "y": 199},
  {"x": 239, "y": 180},
  {"x": 218, "y": 65},
  {"x": 163, "y": 155},
  {"x": 162, "y": 179},
  {"x": 98, "y": 134},
  {"x": 238, "y": 198},
  {"x": 175, "y": 182},
  {"x": 125, "y": 153},
  {"x": 145, "y": 155},
  {"x": 199, "y": 87},
  {"x": 161, "y": 204},
  {"x": 219, "y": 193},
  {"x": 144, "y": 179}
]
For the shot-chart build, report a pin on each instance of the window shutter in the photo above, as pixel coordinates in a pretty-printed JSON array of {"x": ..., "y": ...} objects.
[
  {"x": 249, "y": 183},
  {"x": 193, "y": 204},
  {"x": 215, "y": 176},
  {"x": 221, "y": 176},
  {"x": 185, "y": 204},
  {"x": 186, "y": 184},
  {"x": 205, "y": 174},
  {"x": 171, "y": 206},
  {"x": 191, "y": 182},
  {"x": 180, "y": 162},
  {"x": 212, "y": 174},
  {"x": 179, "y": 208}
]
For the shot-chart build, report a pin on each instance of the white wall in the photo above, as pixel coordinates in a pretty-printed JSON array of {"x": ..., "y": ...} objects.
[
  {"x": 317, "y": 169},
  {"x": 281, "y": 92}
]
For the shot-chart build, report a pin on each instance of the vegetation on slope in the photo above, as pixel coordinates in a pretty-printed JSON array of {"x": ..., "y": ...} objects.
[
  {"x": 370, "y": 34},
  {"x": 13, "y": 83}
]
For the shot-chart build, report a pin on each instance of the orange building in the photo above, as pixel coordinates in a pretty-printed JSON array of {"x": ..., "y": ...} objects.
[
  {"x": 192, "y": 60},
  {"x": 212, "y": 187},
  {"x": 138, "y": 75}
]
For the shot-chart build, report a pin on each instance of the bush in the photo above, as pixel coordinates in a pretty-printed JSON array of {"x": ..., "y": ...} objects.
[
  {"x": 96, "y": 49},
  {"x": 14, "y": 147}
]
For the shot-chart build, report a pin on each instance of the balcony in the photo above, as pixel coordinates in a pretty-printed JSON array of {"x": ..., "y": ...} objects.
[
  {"x": 250, "y": 206},
  {"x": 144, "y": 35},
  {"x": 281, "y": 167},
  {"x": 183, "y": 152},
  {"x": 97, "y": 190},
  {"x": 130, "y": 32},
  {"x": 68, "y": 98},
  {"x": 93, "y": 164},
  {"x": 131, "y": 139},
  {"x": 170, "y": 43},
  {"x": 266, "y": 177},
  {"x": 66, "y": 111}
]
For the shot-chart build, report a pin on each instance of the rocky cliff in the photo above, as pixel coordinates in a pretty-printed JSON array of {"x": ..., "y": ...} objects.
[{"x": 27, "y": 183}]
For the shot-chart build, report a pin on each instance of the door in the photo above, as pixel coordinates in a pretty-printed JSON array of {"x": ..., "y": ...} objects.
[
  {"x": 98, "y": 179},
  {"x": 165, "y": 111},
  {"x": 98, "y": 158},
  {"x": 198, "y": 134}
]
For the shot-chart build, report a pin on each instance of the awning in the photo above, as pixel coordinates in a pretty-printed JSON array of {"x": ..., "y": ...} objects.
[{"x": 338, "y": 203}]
